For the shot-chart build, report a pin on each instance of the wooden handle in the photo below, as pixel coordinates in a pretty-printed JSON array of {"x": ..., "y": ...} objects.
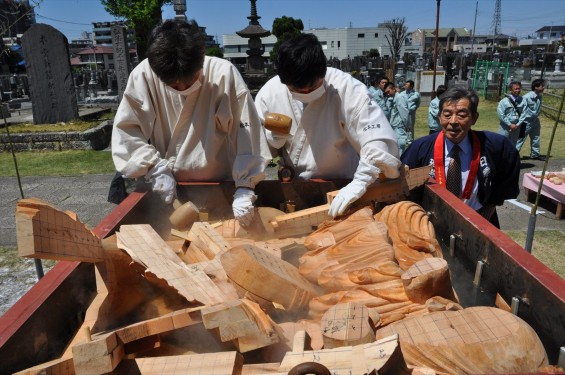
[{"x": 278, "y": 122}]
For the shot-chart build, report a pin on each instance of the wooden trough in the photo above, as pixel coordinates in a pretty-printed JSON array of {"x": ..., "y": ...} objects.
[{"x": 112, "y": 310}]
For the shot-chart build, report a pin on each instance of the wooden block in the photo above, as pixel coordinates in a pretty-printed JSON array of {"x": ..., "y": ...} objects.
[
  {"x": 475, "y": 340},
  {"x": 242, "y": 322},
  {"x": 417, "y": 176},
  {"x": 97, "y": 357},
  {"x": 208, "y": 239},
  {"x": 44, "y": 231},
  {"x": 347, "y": 324},
  {"x": 300, "y": 222},
  {"x": 151, "y": 253},
  {"x": 501, "y": 303},
  {"x": 268, "y": 277},
  {"x": 427, "y": 278}
]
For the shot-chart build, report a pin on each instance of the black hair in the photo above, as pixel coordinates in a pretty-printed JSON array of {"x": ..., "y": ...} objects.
[
  {"x": 537, "y": 82},
  {"x": 456, "y": 93},
  {"x": 176, "y": 50},
  {"x": 441, "y": 89},
  {"x": 301, "y": 61}
]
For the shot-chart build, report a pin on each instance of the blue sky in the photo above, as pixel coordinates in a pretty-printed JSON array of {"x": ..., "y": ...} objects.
[{"x": 518, "y": 17}]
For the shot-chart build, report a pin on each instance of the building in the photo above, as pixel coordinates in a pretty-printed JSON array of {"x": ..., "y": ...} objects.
[
  {"x": 545, "y": 36},
  {"x": 337, "y": 43},
  {"x": 503, "y": 41},
  {"x": 97, "y": 58},
  {"x": 102, "y": 33},
  {"x": 349, "y": 42},
  {"x": 423, "y": 40}
]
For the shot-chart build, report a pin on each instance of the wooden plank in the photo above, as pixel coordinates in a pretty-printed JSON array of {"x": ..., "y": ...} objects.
[
  {"x": 300, "y": 222},
  {"x": 44, "y": 231},
  {"x": 60, "y": 366},
  {"x": 225, "y": 363},
  {"x": 268, "y": 277},
  {"x": 149, "y": 251}
]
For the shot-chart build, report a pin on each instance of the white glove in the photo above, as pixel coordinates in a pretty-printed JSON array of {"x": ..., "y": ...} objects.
[
  {"x": 162, "y": 181},
  {"x": 364, "y": 176},
  {"x": 242, "y": 206}
]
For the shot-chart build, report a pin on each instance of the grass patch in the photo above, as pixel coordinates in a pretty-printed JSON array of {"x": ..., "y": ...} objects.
[
  {"x": 545, "y": 247},
  {"x": 488, "y": 120},
  {"x": 57, "y": 163},
  {"x": 9, "y": 259},
  {"x": 72, "y": 126}
]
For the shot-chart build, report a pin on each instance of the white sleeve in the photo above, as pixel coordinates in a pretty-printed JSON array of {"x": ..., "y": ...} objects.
[
  {"x": 252, "y": 149},
  {"x": 379, "y": 146},
  {"x": 135, "y": 118}
]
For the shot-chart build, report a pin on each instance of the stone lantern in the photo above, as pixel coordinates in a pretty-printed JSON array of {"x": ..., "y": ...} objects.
[{"x": 254, "y": 32}]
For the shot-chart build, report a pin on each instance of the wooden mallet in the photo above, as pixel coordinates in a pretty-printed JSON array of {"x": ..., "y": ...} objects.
[{"x": 277, "y": 122}]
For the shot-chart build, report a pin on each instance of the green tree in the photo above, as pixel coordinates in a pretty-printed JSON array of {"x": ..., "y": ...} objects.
[
  {"x": 141, "y": 15},
  {"x": 214, "y": 51},
  {"x": 285, "y": 28},
  {"x": 373, "y": 52}
]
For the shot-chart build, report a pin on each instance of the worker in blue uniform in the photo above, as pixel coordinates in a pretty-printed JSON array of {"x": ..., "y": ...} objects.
[
  {"x": 510, "y": 112},
  {"x": 532, "y": 108}
]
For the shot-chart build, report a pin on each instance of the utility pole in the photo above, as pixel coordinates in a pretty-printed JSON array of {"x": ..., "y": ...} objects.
[
  {"x": 435, "y": 51},
  {"x": 474, "y": 27}
]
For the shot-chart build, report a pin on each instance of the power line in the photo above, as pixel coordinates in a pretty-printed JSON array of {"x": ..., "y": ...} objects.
[{"x": 56, "y": 20}]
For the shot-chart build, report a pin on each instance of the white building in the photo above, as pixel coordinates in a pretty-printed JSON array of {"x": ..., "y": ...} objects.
[
  {"x": 545, "y": 36},
  {"x": 337, "y": 43},
  {"x": 350, "y": 42}
]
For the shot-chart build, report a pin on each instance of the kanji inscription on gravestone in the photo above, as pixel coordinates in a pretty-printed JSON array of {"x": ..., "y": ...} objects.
[
  {"x": 122, "y": 62},
  {"x": 49, "y": 73}
]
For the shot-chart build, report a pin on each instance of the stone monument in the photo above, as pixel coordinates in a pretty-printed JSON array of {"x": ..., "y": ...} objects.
[
  {"x": 48, "y": 68},
  {"x": 254, "y": 32},
  {"x": 122, "y": 63}
]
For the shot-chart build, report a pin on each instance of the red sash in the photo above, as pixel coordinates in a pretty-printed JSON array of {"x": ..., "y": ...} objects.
[{"x": 440, "y": 166}]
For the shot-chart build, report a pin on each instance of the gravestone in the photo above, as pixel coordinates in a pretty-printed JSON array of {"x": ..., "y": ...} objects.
[
  {"x": 122, "y": 62},
  {"x": 48, "y": 68}
]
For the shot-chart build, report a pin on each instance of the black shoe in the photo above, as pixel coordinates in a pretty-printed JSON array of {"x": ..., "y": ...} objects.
[{"x": 539, "y": 157}]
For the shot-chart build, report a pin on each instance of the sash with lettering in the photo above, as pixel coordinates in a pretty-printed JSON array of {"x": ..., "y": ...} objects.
[{"x": 440, "y": 166}]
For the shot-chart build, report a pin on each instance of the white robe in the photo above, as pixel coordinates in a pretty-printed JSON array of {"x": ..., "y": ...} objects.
[
  {"x": 333, "y": 132},
  {"x": 213, "y": 134}
]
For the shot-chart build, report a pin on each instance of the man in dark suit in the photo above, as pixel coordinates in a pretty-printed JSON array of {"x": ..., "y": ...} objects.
[{"x": 489, "y": 163}]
